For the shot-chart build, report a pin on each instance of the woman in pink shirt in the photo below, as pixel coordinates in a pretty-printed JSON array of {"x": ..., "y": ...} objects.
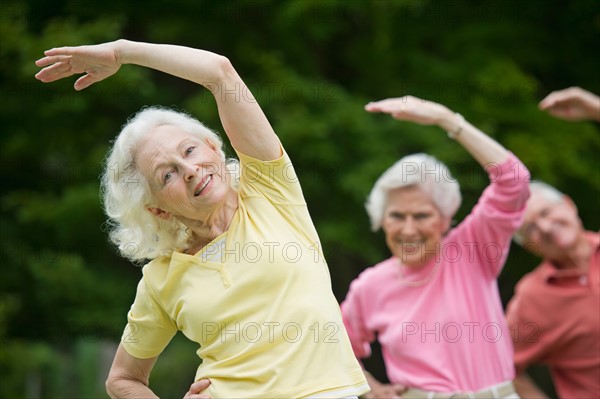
[{"x": 434, "y": 306}]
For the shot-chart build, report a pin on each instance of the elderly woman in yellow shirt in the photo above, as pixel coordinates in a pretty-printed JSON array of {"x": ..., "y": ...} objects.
[{"x": 235, "y": 261}]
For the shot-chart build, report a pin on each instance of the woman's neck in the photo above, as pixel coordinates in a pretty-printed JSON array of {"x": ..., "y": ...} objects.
[{"x": 218, "y": 221}]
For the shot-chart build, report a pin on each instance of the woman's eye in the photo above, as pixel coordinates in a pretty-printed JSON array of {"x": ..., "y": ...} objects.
[
  {"x": 167, "y": 176},
  {"x": 189, "y": 150}
]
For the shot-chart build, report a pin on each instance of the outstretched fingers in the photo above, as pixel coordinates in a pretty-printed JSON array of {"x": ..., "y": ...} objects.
[
  {"x": 551, "y": 100},
  {"x": 57, "y": 64},
  {"x": 388, "y": 106},
  {"x": 373, "y": 107},
  {"x": 49, "y": 60},
  {"x": 55, "y": 56},
  {"x": 56, "y": 70},
  {"x": 57, "y": 51}
]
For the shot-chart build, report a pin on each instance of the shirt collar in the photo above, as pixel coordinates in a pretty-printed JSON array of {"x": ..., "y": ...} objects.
[{"x": 552, "y": 273}]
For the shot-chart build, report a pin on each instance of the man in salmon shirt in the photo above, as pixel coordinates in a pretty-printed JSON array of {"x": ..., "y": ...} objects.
[{"x": 555, "y": 313}]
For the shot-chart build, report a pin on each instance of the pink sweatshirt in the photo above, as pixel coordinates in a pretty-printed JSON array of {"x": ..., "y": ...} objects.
[{"x": 442, "y": 327}]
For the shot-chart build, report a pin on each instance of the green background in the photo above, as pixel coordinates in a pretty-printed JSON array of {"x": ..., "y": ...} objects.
[{"x": 312, "y": 66}]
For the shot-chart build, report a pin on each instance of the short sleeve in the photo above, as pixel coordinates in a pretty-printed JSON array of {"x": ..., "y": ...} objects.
[
  {"x": 275, "y": 180},
  {"x": 353, "y": 317},
  {"x": 149, "y": 328}
]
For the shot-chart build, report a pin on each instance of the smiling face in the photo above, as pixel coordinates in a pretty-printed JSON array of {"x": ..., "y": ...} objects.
[
  {"x": 413, "y": 226},
  {"x": 186, "y": 174},
  {"x": 550, "y": 227}
]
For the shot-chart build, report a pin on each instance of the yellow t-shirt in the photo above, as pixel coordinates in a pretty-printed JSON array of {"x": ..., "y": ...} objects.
[{"x": 261, "y": 307}]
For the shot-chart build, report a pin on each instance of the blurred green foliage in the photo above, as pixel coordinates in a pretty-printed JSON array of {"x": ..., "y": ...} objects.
[{"x": 312, "y": 66}]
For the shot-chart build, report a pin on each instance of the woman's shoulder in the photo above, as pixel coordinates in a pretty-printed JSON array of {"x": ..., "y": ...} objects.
[
  {"x": 376, "y": 273},
  {"x": 156, "y": 270}
]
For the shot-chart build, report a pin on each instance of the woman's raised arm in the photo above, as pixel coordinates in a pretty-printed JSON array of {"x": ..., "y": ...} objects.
[
  {"x": 482, "y": 147},
  {"x": 243, "y": 120}
]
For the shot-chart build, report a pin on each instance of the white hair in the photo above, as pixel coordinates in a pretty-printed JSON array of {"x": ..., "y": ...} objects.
[
  {"x": 126, "y": 194},
  {"x": 419, "y": 170},
  {"x": 545, "y": 191}
]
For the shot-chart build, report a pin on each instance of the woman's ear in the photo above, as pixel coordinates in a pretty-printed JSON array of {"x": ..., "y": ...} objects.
[{"x": 159, "y": 213}]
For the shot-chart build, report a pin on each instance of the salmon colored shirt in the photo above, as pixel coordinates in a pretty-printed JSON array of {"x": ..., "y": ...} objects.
[
  {"x": 554, "y": 318},
  {"x": 442, "y": 327}
]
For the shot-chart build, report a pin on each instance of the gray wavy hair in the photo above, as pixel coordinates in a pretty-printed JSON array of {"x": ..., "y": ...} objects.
[
  {"x": 139, "y": 235},
  {"x": 546, "y": 191},
  {"x": 421, "y": 170}
]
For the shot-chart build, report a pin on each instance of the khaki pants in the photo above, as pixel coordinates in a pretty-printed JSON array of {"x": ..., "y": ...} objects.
[{"x": 503, "y": 390}]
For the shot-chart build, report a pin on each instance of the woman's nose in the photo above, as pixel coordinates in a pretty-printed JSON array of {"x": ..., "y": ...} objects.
[
  {"x": 189, "y": 171},
  {"x": 409, "y": 227}
]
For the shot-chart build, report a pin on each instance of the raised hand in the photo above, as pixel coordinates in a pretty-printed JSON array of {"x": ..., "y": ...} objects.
[
  {"x": 97, "y": 62},
  {"x": 572, "y": 104},
  {"x": 412, "y": 109}
]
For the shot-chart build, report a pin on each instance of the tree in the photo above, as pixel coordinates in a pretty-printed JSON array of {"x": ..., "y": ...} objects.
[{"x": 312, "y": 65}]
